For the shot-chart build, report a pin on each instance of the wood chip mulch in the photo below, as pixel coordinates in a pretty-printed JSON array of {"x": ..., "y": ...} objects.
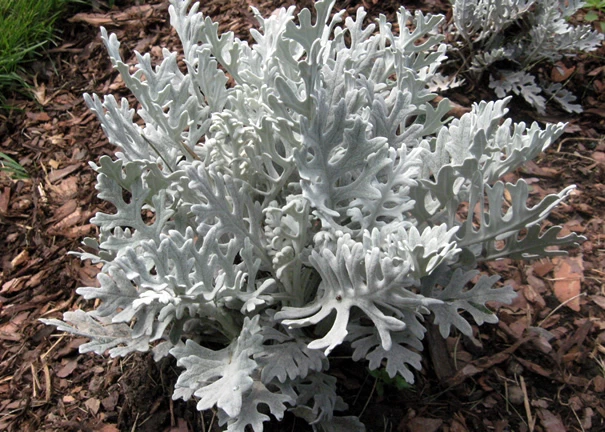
[{"x": 542, "y": 368}]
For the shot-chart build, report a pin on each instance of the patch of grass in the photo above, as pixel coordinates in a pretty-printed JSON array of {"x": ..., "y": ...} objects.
[
  {"x": 26, "y": 26},
  {"x": 11, "y": 166}
]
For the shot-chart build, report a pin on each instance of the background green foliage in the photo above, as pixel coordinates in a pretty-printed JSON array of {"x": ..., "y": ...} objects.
[
  {"x": 11, "y": 166},
  {"x": 26, "y": 26},
  {"x": 595, "y": 10}
]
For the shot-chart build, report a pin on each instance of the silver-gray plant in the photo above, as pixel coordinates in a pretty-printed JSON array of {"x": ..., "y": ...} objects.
[
  {"x": 313, "y": 203},
  {"x": 524, "y": 33}
]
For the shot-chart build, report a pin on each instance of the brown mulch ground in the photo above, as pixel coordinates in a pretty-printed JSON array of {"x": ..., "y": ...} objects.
[{"x": 542, "y": 368}]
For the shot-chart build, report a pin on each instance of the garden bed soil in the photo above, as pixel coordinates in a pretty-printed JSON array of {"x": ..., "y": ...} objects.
[{"x": 541, "y": 368}]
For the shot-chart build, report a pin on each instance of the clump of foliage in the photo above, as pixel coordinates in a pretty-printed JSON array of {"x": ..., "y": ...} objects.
[
  {"x": 26, "y": 26},
  {"x": 594, "y": 9},
  {"x": 507, "y": 38},
  {"x": 312, "y": 204}
]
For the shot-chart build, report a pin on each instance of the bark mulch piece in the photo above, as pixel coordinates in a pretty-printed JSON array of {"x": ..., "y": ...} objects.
[{"x": 542, "y": 368}]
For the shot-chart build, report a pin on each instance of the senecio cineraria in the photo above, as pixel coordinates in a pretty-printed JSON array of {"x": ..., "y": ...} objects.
[
  {"x": 311, "y": 204},
  {"x": 523, "y": 34}
]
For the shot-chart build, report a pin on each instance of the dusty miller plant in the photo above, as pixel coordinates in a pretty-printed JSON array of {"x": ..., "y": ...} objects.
[
  {"x": 313, "y": 203},
  {"x": 517, "y": 35}
]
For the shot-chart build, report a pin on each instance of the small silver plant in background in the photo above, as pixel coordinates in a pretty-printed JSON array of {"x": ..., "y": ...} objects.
[{"x": 523, "y": 33}]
